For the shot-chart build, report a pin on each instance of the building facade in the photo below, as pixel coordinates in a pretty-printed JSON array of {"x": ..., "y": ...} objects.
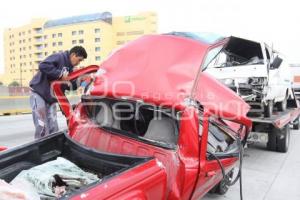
[{"x": 25, "y": 47}]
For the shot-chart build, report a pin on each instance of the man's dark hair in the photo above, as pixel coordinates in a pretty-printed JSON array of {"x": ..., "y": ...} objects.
[{"x": 79, "y": 51}]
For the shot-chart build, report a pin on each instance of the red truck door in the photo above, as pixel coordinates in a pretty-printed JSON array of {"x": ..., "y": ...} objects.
[{"x": 210, "y": 173}]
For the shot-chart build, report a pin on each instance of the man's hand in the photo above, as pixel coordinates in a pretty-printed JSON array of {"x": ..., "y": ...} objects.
[
  {"x": 93, "y": 76},
  {"x": 64, "y": 75}
]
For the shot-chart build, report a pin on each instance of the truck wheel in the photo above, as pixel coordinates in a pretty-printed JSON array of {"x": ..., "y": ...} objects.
[
  {"x": 296, "y": 124},
  {"x": 283, "y": 139},
  {"x": 268, "y": 109},
  {"x": 271, "y": 144},
  {"x": 282, "y": 105}
]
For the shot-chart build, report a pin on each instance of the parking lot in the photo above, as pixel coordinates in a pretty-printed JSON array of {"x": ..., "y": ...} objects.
[{"x": 266, "y": 175}]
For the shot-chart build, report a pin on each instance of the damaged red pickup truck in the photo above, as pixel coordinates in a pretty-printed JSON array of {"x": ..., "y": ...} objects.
[{"x": 151, "y": 122}]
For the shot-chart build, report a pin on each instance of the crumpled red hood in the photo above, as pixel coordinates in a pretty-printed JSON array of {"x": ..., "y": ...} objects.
[
  {"x": 156, "y": 68},
  {"x": 162, "y": 69}
]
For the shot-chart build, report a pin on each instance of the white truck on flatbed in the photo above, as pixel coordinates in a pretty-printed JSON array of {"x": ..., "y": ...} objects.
[{"x": 259, "y": 74}]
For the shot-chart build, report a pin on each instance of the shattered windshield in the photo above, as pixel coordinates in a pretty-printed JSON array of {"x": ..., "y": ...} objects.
[
  {"x": 156, "y": 125},
  {"x": 238, "y": 52}
]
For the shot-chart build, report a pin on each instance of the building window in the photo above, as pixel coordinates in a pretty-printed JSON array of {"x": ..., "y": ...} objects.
[
  {"x": 74, "y": 32},
  {"x": 97, "y": 58},
  {"x": 60, "y": 43},
  {"x": 29, "y": 47},
  {"x": 81, "y": 41},
  {"x": 45, "y": 45},
  {"x": 29, "y": 40},
  {"x": 23, "y": 40},
  {"x": 97, "y": 39},
  {"x": 97, "y": 48},
  {"x": 80, "y": 32},
  {"x": 97, "y": 30},
  {"x": 45, "y": 36},
  {"x": 59, "y": 35},
  {"x": 46, "y": 53},
  {"x": 74, "y": 41},
  {"x": 38, "y": 30},
  {"x": 29, "y": 31},
  {"x": 54, "y": 44},
  {"x": 120, "y": 33},
  {"x": 54, "y": 52},
  {"x": 120, "y": 42},
  {"x": 53, "y": 35},
  {"x": 20, "y": 41},
  {"x": 135, "y": 33}
]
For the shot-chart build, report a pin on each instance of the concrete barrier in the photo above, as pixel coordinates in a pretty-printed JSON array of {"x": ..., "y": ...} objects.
[
  {"x": 20, "y": 104},
  {"x": 14, "y": 105}
]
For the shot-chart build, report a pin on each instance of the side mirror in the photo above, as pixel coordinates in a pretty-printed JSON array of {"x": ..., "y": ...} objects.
[{"x": 276, "y": 63}]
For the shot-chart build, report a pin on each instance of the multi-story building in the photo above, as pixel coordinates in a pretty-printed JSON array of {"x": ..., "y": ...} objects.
[{"x": 25, "y": 47}]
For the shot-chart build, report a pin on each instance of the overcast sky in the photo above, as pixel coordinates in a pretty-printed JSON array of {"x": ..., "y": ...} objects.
[{"x": 270, "y": 21}]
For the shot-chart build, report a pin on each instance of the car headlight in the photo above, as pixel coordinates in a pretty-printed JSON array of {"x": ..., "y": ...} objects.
[
  {"x": 257, "y": 80},
  {"x": 227, "y": 81}
]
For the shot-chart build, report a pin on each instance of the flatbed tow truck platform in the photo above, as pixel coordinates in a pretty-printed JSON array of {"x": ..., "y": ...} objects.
[{"x": 275, "y": 130}]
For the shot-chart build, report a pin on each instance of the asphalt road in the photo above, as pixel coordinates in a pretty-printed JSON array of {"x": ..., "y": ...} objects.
[
  {"x": 266, "y": 175},
  {"x": 19, "y": 129}
]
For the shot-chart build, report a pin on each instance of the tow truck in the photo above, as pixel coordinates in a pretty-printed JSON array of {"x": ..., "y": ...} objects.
[
  {"x": 275, "y": 130},
  {"x": 151, "y": 122}
]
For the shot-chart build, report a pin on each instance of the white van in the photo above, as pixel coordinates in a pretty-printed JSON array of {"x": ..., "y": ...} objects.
[{"x": 260, "y": 75}]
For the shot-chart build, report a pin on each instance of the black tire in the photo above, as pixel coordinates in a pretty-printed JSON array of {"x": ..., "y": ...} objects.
[
  {"x": 268, "y": 109},
  {"x": 223, "y": 186},
  {"x": 296, "y": 123},
  {"x": 279, "y": 139},
  {"x": 283, "y": 139},
  {"x": 282, "y": 105},
  {"x": 271, "y": 144}
]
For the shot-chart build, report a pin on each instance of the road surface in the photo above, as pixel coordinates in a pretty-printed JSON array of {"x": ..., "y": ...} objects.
[
  {"x": 18, "y": 129},
  {"x": 266, "y": 175}
]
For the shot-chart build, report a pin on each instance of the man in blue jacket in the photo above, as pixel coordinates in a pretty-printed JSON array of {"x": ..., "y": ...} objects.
[{"x": 42, "y": 101}]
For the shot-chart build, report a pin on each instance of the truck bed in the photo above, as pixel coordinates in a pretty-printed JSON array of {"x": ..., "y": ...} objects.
[
  {"x": 279, "y": 119},
  {"x": 14, "y": 160}
]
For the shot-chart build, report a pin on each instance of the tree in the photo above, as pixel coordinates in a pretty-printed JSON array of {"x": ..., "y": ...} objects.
[{"x": 14, "y": 84}]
